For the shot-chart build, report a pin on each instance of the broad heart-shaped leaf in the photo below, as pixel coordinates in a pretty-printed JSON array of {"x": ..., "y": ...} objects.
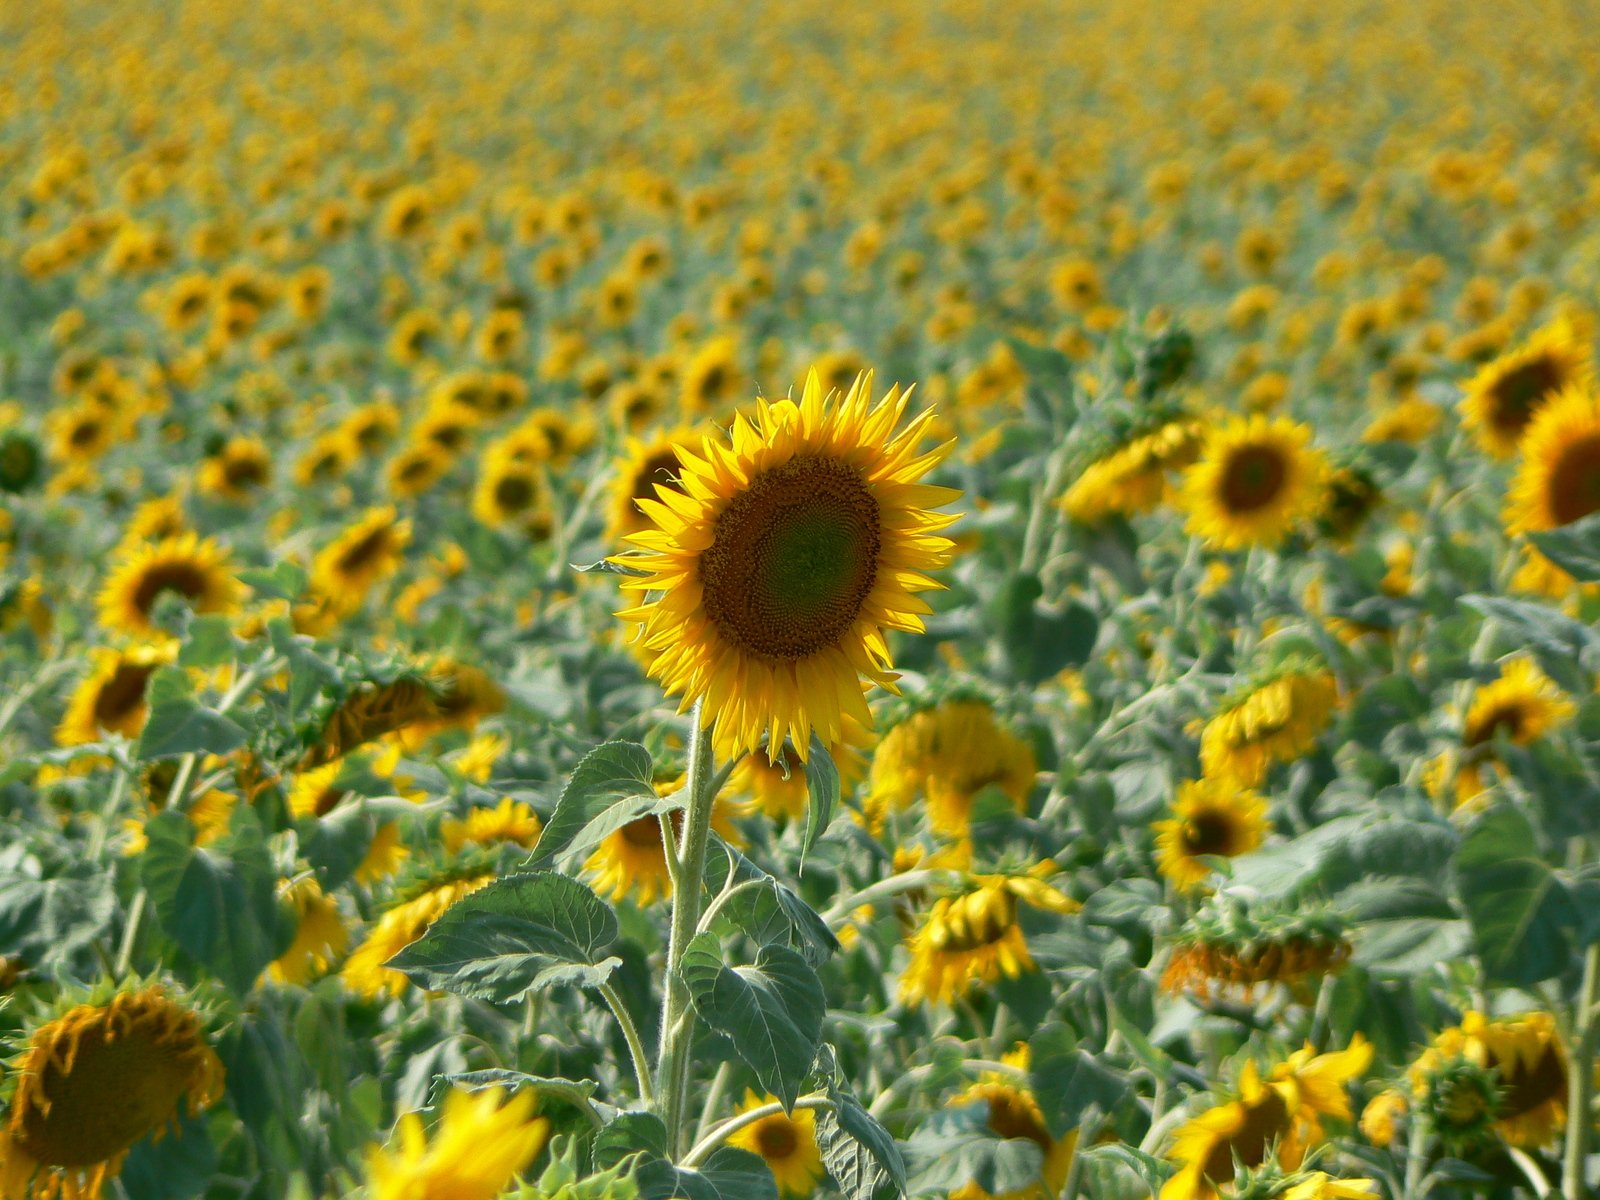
[
  {"x": 46, "y": 921},
  {"x": 771, "y": 1011},
  {"x": 822, "y": 795},
  {"x": 1540, "y": 625},
  {"x": 860, "y": 1154},
  {"x": 216, "y": 902},
  {"x": 771, "y": 913},
  {"x": 610, "y": 787},
  {"x": 517, "y": 935},
  {"x": 1068, "y": 1081},
  {"x": 729, "y": 1174},
  {"x": 1575, "y": 548},
  {"x": 955, "y": 1147},
  {"x": 1520, "y": 911},
  {"x": 185, "y": 726},
  {"x": 628, "y": 1134},
  {"x": 573, "y": 1091}
]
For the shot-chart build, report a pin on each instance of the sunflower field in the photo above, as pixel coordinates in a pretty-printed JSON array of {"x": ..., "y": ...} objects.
[{"x": 936, "y": 600}]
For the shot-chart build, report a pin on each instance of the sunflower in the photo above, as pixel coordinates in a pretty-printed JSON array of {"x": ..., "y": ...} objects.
[
  {"x": 329, "y": 457},
  {"x": 403, "y": 924},
  {"x": 1133, "y": 477},
  {"x": 712, "y": 378},
  {"x": 1278, "y": 1115},
  {"x": 1256, "y": 478},
  {"x": 1558, "y": 479},
  {"x": 1237, "y": 942},
  {"x": 237, "y": 470},
  {"x": 786, "y": 1143},
  {"x": 157, "y": 518},
  {"x": 95, "y": 1081},
  {"x": 631, "y": 860},
  {"x": 644, "y": 467},
  {"x": 513, "y": 496},
  {"x": 794, "y": 546},
  {"x": 475, "y": 1153},
  {"x": 946, "y": 756},
  {"x": 366, "y": 552},
  {"x": 1012, "y": 1112},
  {"x": 1524, "y": 704},
  {"x": 196, "y": 570},
  {"x": 416, "y": 469},
  {"x": 509, "y": 821},
  {"x": 320, "y": 935},
  {"x": 1210, "y": 819},
  {"x": 81, "y": 432},
  {"x": 1275, "y": 721},
  {"x": 462, "y": 696},
  {"x": 1526, "y": 1054},
  {"x": 111, "y": 698},
  {"x": 1502, "y": 400},
  {"x": 975, "y": 938}
]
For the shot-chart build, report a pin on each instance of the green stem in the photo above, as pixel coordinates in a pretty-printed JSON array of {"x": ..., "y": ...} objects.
[
  {"x": 1580, "y": 1079},
  {"x": 732, "y": 1126},
  {"x": 677, "y": 1021},
  {"x": 130, "y": 933},
  {"x": 630, "y": 1033},
  {"x": 1416, "y": 1157}
]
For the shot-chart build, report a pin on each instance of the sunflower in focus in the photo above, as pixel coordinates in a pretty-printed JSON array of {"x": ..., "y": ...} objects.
[
  {"x": 793, "y": 547},
  {"x": 364, "y": 972},
  {"x": 196, "y": 571},
  {"x": 1275, "y": 721},
  {"x": 644, "y": 467},
  {"x": 475, "y": 1153},
  {"x": 787, "y": 1143},
  {"x": 1503, "y": 398},
  {"x": 975, "y": 937},
  {"x": 1210, "y": 819},
  {"x": 1529, "y": 1060},
  {"x": 96, "y": 1080},
  {"x": 111, "y": 698},
  {"x": 1012, "y": 1112},
  {"x": 945, "y": 756},
  {"x": 1558, "y": 480},
  {"x": 1133, "y": 477},
  {"x": 1524, "y": 704},
  {"x": 1255, "y": 480}
]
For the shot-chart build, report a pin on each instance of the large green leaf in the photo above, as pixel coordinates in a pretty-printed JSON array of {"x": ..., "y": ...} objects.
[
  {"x": 518, "y": 935},
  {"x": 185, "y": 726},
  {"x": 769, "y": 913},
  {"x": 46, "y": 921},
  {"x": 627, "y": 1134},
  {"x": 217, "y": 902},
  {"x": 1540, "y": 625},
  {"x": 822, "y": 795},
  {"x": 771, "y": 1011},
  {"x": 1068, "y": 1081},
  {"x": 1520, "y": 912},
  {"x": 955, "y": 1147},
  {"x": 859, "y": 1153},
  {"x": 614, "y": 784},
  {"x": 729, "y": 1174},
  {"x": 1575, "y": 548}
]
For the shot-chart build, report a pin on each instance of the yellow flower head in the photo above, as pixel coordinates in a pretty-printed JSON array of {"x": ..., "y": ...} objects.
[
  {"x": 1210, "y": 818},
  {"x": 1012, "y": 1112},
  {"x": 509, "y": 821},
  {"x": 1133, "y": 477},
  {"x": 111, "y": 698},
  {"x": 787, "y": 1144},
  {"x": 1277, "y": 721},
  {"x": 1526, "y": 1053},
  {"x": 366, "y": 552},
  {"x": 403, "y": 924},
  {"x": 1505, "y": 396},
  {"x": 1255, "y": 480},
  {"x": 475, "y": 1152},
  {"x": 320, "y": 934},
  {"x": 644, "y": 467},
  {"x": 196, "y": 571}
]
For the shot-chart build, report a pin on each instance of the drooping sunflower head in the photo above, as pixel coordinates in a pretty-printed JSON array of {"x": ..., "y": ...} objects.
[
  {"x": 644, "y": 467},
  {"x": 197, "y": 572},
  {"x": 1503, "y": 398},
  {"x": 1276, "y": 720},
  {"x": 1132, "y": 477},
  {"x": 95, "y": 1081},
  {"x": 1210, "y": 819},
  {"x": 401, "y": 925},
  {"x": 475, "y": 1153},
  {"x": 1528, "y": 1061},
  {"x": 774, "y": 575},
  {"x": 509, "y": 821},
  {"x": 111, "y": 698},
  {"x": 1235, "y": 945},
  {"x": 1255, "y": 480},
  {"x": 786, "y": 1143}
]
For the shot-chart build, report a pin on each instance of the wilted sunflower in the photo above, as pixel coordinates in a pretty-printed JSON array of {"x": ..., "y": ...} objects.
[
  {"x": 644, "y": 467},
  {"x": 1133, "y": 477},
  {"x": 1524, "y": 704},
  {"x": 320, "y": 935},
  {"x": 1274, "y": 721},
  {"x": 476, "y": 1151},
  {"x": 95, "y": 1081},
  {"x": 1529, "y": 1059},
  {"x": 462, "y": 696},
  {"x": 373, "y": 709},
  {"x": 945, "y": 756},
  {"x": 366, "y": 552},
  {"x": 787, "y": 1143},
  {"x": 1503, "y": 398},
  {"x": 195, "y": 570},
  {"x": 1557, "y": 481},
  {"x": 1234, "y": 944},
  {"x": 403, "y": 924},
  {"x": 1279, "y": 1116},
  {"x": 1255, "y": 480},
  {"x": 975, "y": 938},
  {"x": 1210, "y": 819},
  {"x": 1014, "y": 1113},
  {"x": 111, "y": 697},
  {"x": 777, "y": 570}
]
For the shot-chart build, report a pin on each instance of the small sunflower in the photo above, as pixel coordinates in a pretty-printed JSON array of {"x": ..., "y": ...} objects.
[
  {"x": 475, "y": 1152},
  {"x": 509, "y": 821},
  {"x": 975, "y": 938},
  {"x": 1524, "y": 704},
  {"x": 1503, "y": 398},
  {"x": 1133, "y": 477},
  {"x": 513, "y": 496},
  {"x": 1529, "y": 1059},
  {"x": 237, "y": 471},
  {"x": 95, "y": 1081},
  {"x": 416, "y": 469},
  {"x": 1012, "y": 1112},
  {"x": 712, "y": 379},
  {"x": 791, "y": 550},
  {"x": 369, "y": 550},
  {"x": 946, "y": 756},
  {"x": 320, "y": 935},
  {"x": 403, "y": 924},
  {"x": 111, "y": 698},
  {"x": 644, "y": 467},
  {"x": 195, "y": 570},
  {"x": 1558, "y": 479},
  {"x": 786, "y": 1143},
  {"x": 1255, "y": 480},
  {"x": 1210, "y": 819},
  {"x": 1275, "y": 721}
]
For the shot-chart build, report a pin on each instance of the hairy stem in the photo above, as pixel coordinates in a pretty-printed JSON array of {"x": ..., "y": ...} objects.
[{"x": 1580, "y": 1079}]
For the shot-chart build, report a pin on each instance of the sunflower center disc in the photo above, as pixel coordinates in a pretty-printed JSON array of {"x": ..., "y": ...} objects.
[
  {"x": 121, "y": 694},
  {"x": 1529, "y": 1085},
  {"x": 777, "y": 1139},
  {"x": 1519, "y": 390},
  {"x": 1253, "y": 478},
  {"x": 793, "y": 558},
  {"x": 1574, "y": 487},
  {"x": 184, "y": 578},
  {"x": 1208, "y": 833},
  {"x": 513, "y": 493},
  {"x": 1265, "y": 1121}
]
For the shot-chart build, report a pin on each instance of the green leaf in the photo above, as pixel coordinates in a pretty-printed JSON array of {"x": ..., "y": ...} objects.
[
  {"x": 822, "y": 795},
  {"x": 516, "y": 936},
  {"x": 46, "y": 921},
  {"x": 573, "y": 1091},
  {"x": 860, "y": 1154},
  {"x": 729, "y": 1174},
  {"x": 628, "y": 1134},
  {"x": 1067, "y": 1081},
  {"x": 209, "y": 642},
  {"x": 1520, "y": 912},
  {"x": 1153, "y": 1171},
  {"x": 955, "y": 1147},
  {"x": 772, "y": 1011},
  {"x": 1575, "y": 548},
  {"x": 184, "y": 726},
  {"x": 1538, "y": 624},
  {"x": 217, "y": 902},
  {"x": 768, "y": 913},
  {"x": 1409, "y": 945},
  {"x": 284, "y": 581},
  {"x": 614, "y": 784}
]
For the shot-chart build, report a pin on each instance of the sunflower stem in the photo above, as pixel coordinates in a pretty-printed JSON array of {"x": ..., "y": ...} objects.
[
  {"x": 1580, "y": 1079},
  {"x": 732, "y": 1125},
  {"x": 677, "y": 1023},
  {"x": 630, "y": 1034}
]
